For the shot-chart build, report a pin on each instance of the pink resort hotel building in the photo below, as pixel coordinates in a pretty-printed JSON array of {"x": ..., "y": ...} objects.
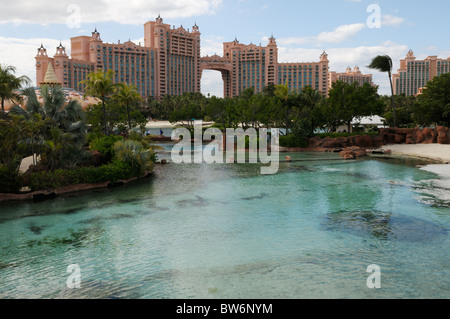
[
  {"x": 413, "y": 75},
  {"x": 169, "y": 62},
  {"x": 350, "y": 76}
]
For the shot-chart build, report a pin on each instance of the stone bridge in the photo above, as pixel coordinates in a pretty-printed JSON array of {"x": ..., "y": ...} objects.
[{"x": 218, "y": 63}]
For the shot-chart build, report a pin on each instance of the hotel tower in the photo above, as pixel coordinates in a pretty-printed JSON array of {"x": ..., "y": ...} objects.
[
  {"x": 351, "y": 76},
  {"x": 169, "y": 63},
  {"x": 413, "y": 75}
]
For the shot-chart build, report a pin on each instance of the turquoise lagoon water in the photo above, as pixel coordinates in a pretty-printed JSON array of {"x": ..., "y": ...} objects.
[{"x": 225, "y": 231}]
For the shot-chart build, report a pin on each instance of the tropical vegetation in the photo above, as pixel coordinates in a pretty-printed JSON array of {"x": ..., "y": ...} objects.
[
  {"x": 65, "y": 147},
  {"x": 106, "y": 141}
]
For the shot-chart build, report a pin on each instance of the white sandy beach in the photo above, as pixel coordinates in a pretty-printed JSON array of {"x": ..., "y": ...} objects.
[{"x": 439, "y": 152}]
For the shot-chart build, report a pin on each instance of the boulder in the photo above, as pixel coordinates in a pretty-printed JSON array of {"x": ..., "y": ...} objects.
[
  {"x": 337, "y": 142},
  {"x": 363, "y": 141},
  {"x": 410, "y": 138},
  {"x": 443, "y": 135},
  {"x": 314, "y": 142},
  {"x": 399, "y": 138},
  {"x": 377, "y": 141},
  {"x": 353, "y": 152},
  {"x": 429, "y": 136}
]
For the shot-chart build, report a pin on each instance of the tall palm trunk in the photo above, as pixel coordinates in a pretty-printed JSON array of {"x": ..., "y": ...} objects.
[
  {"x": 392, "y": 98},
  {"x": 128, "y": 115},
  {"x": 3, "y": 106},
  {"x": 104, "y": 116}
]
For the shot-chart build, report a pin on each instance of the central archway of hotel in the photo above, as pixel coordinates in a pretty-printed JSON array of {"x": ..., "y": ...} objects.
[
  {"x": 211, "y": 66},
  {"x": 212, "y": 83}
]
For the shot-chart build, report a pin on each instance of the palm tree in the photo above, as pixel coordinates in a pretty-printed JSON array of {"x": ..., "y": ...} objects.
[
  {"x": 283, "y": 93},
  {"x": 135, "y": 154},
  {"x": 383, "y": 63},
  {"x": 311, "y": 99},
  {"x": 101, "y": 85},
  {"x": 127, "y": 95},
  {"x": 10, "y": 84},
  {"x": 66, "y": 115},
  {"x": 56, "y": 127}
]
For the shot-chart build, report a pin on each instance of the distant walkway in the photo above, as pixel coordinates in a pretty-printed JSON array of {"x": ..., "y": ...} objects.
[{"x": 167, "y": 124}]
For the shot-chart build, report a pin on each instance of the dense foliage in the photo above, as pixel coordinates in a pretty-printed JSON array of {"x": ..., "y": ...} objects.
[
  {"x": 54, "y": 132},
  {"x": 62, "y": 136},
  {"x": 110, "y": 172}
]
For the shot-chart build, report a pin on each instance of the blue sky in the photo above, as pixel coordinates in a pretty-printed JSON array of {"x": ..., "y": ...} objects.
[{"x": 303, "y": 28}]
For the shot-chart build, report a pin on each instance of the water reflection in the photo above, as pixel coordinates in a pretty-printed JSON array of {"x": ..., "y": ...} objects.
[{"x": 226, "y": 231}]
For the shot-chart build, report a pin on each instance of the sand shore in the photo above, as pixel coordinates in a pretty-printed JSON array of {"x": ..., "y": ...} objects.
[{"x": 438, "y": 152}]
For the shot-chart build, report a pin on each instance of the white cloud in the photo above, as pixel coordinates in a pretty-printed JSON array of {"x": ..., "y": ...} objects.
[
  {"x": 341, "y": 33},
  {"x": 390, "y": 20},
  {"x": 338, "y": 35},
  {"x": 20, "y": 53},
  {"x": 212, "y": 83},
  {"x": 211, "y": 45},
  {"x": 122, "y": 11}
]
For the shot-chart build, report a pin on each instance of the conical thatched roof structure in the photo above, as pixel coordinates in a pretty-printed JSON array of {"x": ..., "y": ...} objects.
[{"x": 50, "y": 77}]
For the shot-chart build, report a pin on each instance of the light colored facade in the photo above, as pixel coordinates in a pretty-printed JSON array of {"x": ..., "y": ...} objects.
[
  {"x": 414, "y": 74},
  {"x": 350, "y": 76}
]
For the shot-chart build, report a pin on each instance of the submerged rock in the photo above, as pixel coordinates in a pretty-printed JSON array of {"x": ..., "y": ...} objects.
[
  {"x": 383, "y": 225},
  {"x": 353, "y": 152}
]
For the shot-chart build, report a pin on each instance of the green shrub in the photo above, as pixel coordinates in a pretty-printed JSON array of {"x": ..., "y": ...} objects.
[
  {"x": 111, "y": 172},
  {"x": 333, "y": 135},
  {"x": 104, "y": 145},
  {"x": 292, "y": 140},
  {"x": 9, "y": 182},
  {"x": 91, "y": 136}
]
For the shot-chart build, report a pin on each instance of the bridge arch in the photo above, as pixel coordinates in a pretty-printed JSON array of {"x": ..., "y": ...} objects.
[{"x": 218, "y": 63}]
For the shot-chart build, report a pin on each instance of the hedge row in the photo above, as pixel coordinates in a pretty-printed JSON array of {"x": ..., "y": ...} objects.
[
  {"x": 291, "y": 140},
  {"x": 111, "y": 172},
  {"x": 333, "y": 135}
]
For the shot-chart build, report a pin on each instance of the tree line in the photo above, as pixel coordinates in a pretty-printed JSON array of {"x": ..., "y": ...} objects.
[{"x": 61, "y": 132}]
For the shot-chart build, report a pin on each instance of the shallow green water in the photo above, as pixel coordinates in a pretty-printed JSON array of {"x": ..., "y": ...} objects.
[{"x": 225, "y": 231}]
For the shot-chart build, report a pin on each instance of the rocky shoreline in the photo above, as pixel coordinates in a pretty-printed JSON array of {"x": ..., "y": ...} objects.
[
  {"x": 386, "y": 136},
  {"x": 42, "y": 195}
]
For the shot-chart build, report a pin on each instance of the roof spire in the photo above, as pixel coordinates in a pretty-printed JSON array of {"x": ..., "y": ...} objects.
[{"x": 50, "y": 76}]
